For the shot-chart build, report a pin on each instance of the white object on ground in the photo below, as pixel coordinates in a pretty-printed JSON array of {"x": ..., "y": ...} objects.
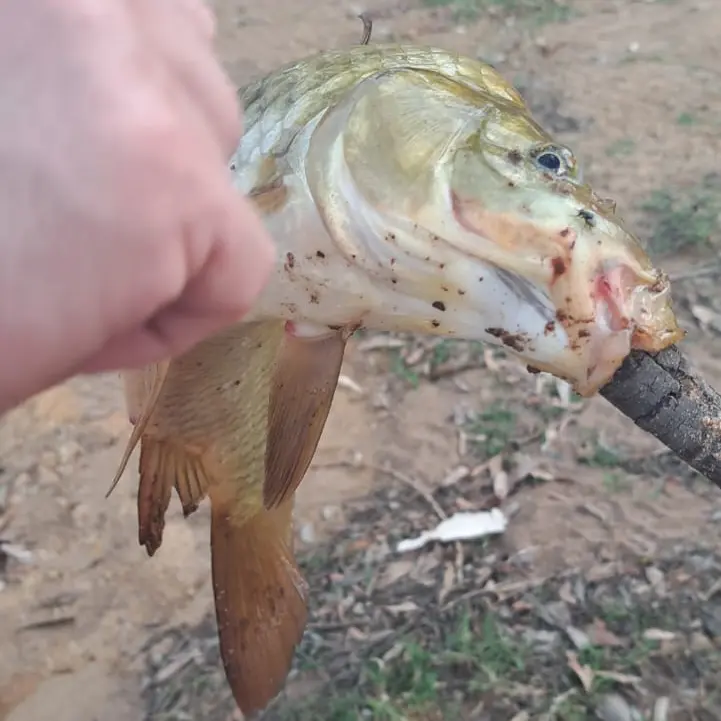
[{"x": 459, "y": 527}]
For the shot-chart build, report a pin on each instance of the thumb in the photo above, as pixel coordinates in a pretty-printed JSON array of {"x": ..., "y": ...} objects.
[{"x": 220, "y": 294}]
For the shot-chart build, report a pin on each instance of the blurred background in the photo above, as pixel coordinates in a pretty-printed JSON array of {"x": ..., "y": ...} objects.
[{"x": 601, "y": 599}]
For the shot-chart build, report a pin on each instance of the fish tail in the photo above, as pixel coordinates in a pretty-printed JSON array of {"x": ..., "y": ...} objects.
[{"x": 260, "y": 601}]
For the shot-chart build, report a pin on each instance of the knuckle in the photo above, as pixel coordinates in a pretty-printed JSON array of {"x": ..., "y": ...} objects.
[
  {"x": 165, "y": 267},
  {"x": 149, "y": 131}
]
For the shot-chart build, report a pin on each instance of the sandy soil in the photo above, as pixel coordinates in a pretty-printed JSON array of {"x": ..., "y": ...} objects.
[{"x": 634, "y": 87}]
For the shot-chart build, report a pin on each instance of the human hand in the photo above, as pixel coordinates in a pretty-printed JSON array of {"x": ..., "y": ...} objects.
[{"x": 122, "y": 241}]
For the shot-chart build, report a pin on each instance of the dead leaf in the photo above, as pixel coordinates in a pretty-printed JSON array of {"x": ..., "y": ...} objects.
[
  {"x": 347, "y": 383},
  {"x": 449, "y": 577},
  {"x": 455, "y": 476},
  {"x": 565, "y": 593},
  {"x": 500, "y": 478},
  {"x": 599, "y": 635},
  {"x": 584, "y": 673},
  {"x": 415, "y": 356},
  {"x": 612, "y": 707},
  {"x": 521, "y": 716},
  {"x": 394, "y": 571},
  {"x": 355, "y": 634},
  {"x": 656, "y": 578},
  {"x": 403, "y": 607},
  {"x": 658, "y": 634},
  {"x": 661, "y": 708},
  {"x": 578, "y": 638},
  {"x": 604, "y": 571},
  {"x": 490, "y": 361},
  {"x": 556, "y": 614},
  {"x": 622, "y": 678},
  {"x": 380, "y": 342}
]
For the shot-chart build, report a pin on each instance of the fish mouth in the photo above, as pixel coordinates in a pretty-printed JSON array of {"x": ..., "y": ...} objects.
[
  {"x": 630, "y": 302},
  {"x": 631, "y": 311},
  {"x": 607, "y": 298}
]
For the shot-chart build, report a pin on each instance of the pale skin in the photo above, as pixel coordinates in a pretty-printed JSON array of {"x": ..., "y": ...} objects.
[{"x": 122, "y": 240}]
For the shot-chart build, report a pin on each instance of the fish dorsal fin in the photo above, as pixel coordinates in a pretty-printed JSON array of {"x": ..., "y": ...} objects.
[{"x": 301, "y": 396}]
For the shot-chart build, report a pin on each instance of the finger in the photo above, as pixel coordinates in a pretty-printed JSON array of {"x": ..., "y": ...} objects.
[
  {"x": 237, "y": 268},
  {"x": 199, "y": 14},
  {"x": 168, "y": 335},
  {"x": 195, "y": 12},
  {"x": 221, "y": 293},
  {"x": 192, "y": 68}
]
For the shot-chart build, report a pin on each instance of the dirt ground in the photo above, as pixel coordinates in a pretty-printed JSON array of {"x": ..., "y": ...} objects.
[{"x": 635, "y": 89}]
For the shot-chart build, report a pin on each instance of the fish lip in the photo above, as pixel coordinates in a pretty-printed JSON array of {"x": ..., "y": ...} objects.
[
  {"x": 642, "y": 303},
  {"x": 599, "y": 338},
  {"x": 608, "y": 307},
  {"x": 630, "y": 313}
]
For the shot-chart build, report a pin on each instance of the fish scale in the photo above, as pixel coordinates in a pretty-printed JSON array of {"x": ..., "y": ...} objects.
[{"x": 285, "y": 101}]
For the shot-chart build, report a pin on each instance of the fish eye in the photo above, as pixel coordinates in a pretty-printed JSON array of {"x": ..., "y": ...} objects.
[
  {"x": 549, "y": 161},
  {"x": 554, "y": 159}
]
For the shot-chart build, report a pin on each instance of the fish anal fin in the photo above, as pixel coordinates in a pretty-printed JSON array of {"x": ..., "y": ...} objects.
[
  {"x": 260, "y": 602},
  {"x": 164, "y": 464},
  {"x": 304, "y": 383},
  {"x": 142, "y": 391}
]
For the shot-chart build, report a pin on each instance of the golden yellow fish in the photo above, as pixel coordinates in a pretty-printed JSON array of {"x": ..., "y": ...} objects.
[{"x": 407, "y": 189}]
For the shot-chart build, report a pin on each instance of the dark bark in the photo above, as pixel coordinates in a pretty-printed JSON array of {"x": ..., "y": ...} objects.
[{"x": 663, "y": 395}]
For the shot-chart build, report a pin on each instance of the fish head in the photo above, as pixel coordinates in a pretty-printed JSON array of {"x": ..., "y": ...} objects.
[
  {"x": 442, "y": 187},
  {"x": 511, "y": 184}
]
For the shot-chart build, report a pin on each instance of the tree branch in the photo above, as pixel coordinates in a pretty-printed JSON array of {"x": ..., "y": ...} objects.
[{"x": 665, "y": 397}]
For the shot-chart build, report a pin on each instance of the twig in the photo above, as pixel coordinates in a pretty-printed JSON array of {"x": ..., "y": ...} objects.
[
  {"x": 367, "y": 28},
  {"x": 502, "y": 590},
  {"x": 715, "y": 588},
  {"x": 412, "y": 483},
  {"x": 664, "y": 396},
  {"x": 57, "y": 622},
  {"x": 432, "y": 502},
  {"x": 388, "y": 471}
]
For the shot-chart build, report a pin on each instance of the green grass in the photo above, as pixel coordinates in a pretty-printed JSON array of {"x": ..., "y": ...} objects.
[
  {"x": 686, "y": 119},
  {"x": 491, "y": 430},
  {"x": 474, "y": 657},
  {"x": 599, "y": 455},
  {"x": 410, "y": 684},
  {"x": 622, "y": 147},
  {"x": 443, "y": 351},
  {"x": 536, "y": 12},
  {"x": 402, "y": 370},
  {"x": 684, "y": 220},
  {"x": 468, "y": 657},
  {"x": 615, "y": 482},
  {"x": 489, "y": 654}
]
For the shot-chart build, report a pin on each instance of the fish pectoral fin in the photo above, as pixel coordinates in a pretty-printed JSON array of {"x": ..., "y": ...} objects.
[
  {"x": 301, "y": 396},
  {"x": 142, "y": 391},
  {"x": 260, "y": 601},
  {"x": 270, "y": 193},
  {"x": 164, "y": 464}
]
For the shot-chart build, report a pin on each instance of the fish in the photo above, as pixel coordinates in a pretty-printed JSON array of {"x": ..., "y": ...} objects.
[{"x": 407, "y": 189}]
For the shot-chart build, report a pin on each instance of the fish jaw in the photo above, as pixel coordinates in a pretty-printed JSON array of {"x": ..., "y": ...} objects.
[{"x": 607, "y": 296}]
